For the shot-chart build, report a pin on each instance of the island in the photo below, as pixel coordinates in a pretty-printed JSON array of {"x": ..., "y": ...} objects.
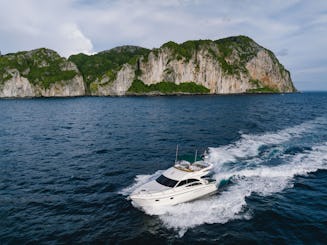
[{"x": 232, "y": 65}]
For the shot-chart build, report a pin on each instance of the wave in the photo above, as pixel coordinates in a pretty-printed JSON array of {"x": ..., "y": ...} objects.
[
  {"x": 261, "y": 164},
  {"x": 249, "y": 144}
]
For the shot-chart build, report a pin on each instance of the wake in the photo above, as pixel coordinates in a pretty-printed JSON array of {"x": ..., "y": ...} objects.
[{"x": 263, "y": 164}]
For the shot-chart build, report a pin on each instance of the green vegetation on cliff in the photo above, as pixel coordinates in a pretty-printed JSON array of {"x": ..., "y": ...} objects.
[
  {"x": 41, "y": 67},
  {"x": 138, "y": 87},
  {"x": 232, "y": 53},
  {"x": 187, "y": 49},
  {"x": 262, "y": 90},
  {"x": 107, "y": 63},
  {"x": 235, "y": 52}
]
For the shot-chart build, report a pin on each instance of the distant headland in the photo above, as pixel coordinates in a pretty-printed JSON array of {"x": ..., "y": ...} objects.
[{"x": 226, "y": 66}]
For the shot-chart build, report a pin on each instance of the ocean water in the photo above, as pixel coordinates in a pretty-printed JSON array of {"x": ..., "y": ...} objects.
[{"x": 68, "y": 165}]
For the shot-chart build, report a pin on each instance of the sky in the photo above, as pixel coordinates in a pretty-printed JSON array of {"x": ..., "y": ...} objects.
[{"x": 295, "y": 30}]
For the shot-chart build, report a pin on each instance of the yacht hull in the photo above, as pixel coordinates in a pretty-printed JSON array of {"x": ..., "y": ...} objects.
[{"x": 173, "y": 197}]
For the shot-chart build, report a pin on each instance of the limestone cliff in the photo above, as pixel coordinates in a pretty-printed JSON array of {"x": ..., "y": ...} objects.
[
  {"x": 224, "y": 66},
  {"x": 39, "y": 73},
  {"x": 231, "y": 65},
  {"x": 116, "y": 87},
  {"x": 109, "y": 72}
]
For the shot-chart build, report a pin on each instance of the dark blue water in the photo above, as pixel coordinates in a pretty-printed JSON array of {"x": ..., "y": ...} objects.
[{"x": 68, "y": 165}]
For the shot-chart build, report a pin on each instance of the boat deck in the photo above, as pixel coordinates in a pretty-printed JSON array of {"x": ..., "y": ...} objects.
[{"x": 188, "y": 167}]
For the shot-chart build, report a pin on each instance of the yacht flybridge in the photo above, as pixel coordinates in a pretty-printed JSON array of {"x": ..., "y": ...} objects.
[{"x": 183, "y": 182}]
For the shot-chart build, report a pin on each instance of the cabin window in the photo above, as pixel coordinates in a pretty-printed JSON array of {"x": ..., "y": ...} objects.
[
  {"x": 195, "y": 183},
  {"x": 163, "y": 180},
  {"x": 192, "y": 180},
  {"x": 183, "y": 182},
  {"x": 187, "y": 181}
]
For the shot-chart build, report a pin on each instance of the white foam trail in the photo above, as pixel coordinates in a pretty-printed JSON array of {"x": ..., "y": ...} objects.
[
  {"x": 263, "y": 180},
  {"x": 216, "y": 209},
  {"x": 249, "y": 145}
]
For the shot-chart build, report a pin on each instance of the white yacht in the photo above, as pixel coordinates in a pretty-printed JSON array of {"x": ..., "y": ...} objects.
[{"x": 183, "y": 182}]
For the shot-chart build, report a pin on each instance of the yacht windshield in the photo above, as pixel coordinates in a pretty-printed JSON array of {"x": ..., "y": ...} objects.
[{"x": 166, "y": 181}]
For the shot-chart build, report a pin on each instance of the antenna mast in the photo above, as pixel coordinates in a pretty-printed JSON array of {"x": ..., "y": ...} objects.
[{"x": 176, "y": 153}]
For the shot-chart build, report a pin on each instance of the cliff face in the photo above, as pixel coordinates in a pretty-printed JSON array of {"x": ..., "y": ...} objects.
[
  {"x": 109, "y": 72},
  {"x": 117, "y": 87},
  {"x": 225, "y": 66},
  {"x": 265, "y": 68},
  {"x": 201, "y": 69},
  {"x": 39, "y": 73},
  {"x": 231, "y": 65}
]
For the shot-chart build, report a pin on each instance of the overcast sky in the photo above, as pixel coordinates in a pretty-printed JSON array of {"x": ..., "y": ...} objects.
[{"x": 295, "y": 30}]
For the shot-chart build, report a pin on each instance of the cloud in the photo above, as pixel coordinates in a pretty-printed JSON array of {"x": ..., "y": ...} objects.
[
  {"x": 33, "y": 24},
  {"x": 311, "y": 70},
  {"x": 282, "y": 52},
  {"x": 73, "y": 40},
  {"x": 296, "y": 30}
]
